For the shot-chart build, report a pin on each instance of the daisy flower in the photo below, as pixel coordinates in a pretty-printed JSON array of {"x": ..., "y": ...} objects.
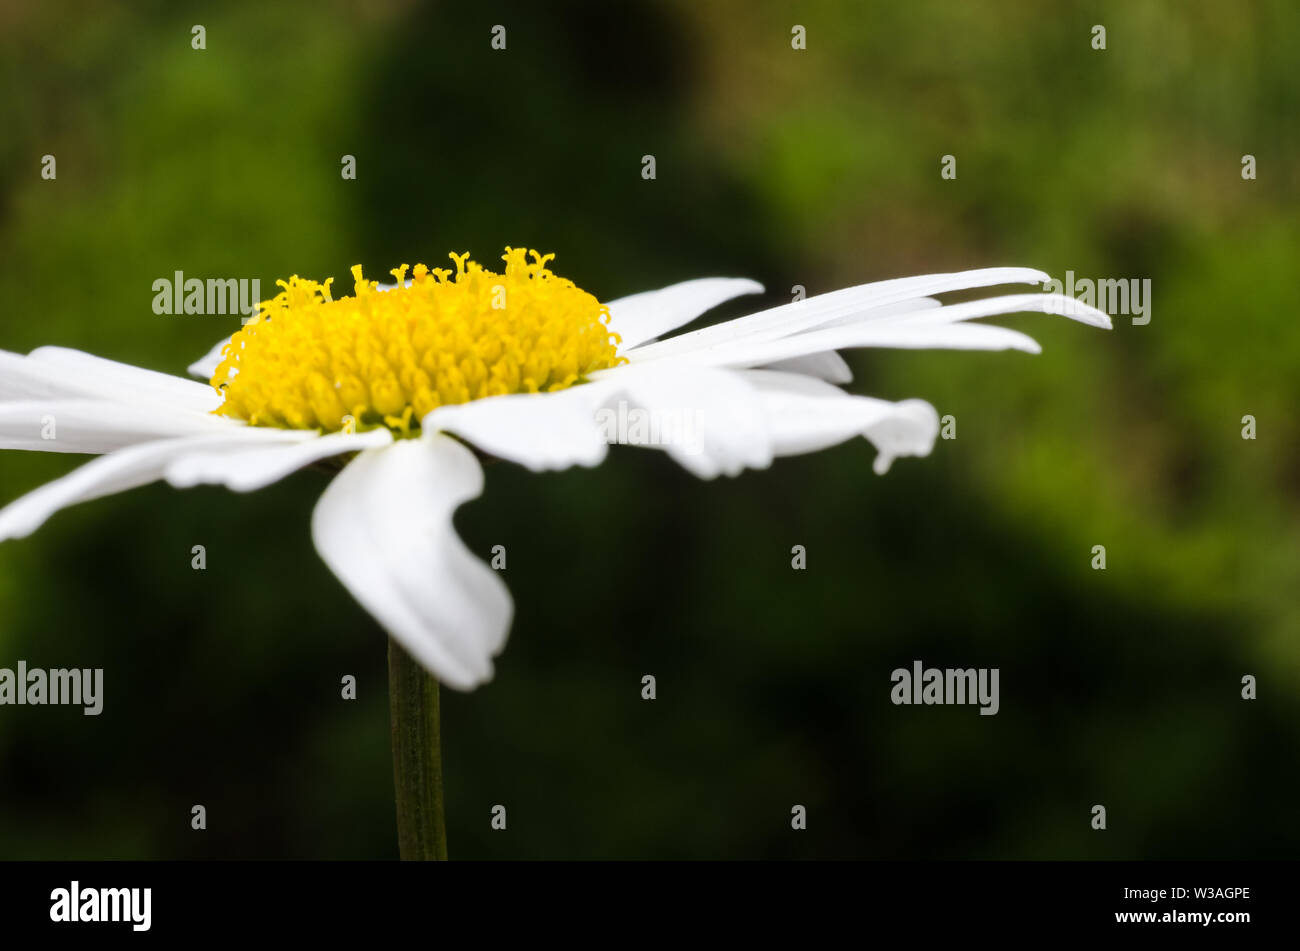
[
  {"x": 403, "y": 383},
  {"x": 400, "y": 382}
]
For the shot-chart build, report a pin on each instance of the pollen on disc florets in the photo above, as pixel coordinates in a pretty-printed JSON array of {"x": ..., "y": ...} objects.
[{"x": 386, "y": 358}]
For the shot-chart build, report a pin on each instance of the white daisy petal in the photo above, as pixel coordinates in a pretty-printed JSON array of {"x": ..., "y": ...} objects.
[
  {"x": 644, "y": 316},
  {"x": 957, "y": 336},
  {"x": 97, "y": 426},
  {"x": 806, "y": 415},
  {"x": 910, "y": 306},
  {"x": 59, "y": 373},
  {"x": 257, "y": 467},
  {"x": 542, "y": 431},
  {"x": 823, "y": 309},
  {"x": 118, "y": 471},
  {"x": 1058, "y": 304},
  {"x": 924, "y": 328},
  {"x": 906, "y": 428},
  {"x": 384, "y": 527},
  {"x": 937, "y": 327},
  {"x": 827, "y": 365},
  {"x": 710, "y": 421},
  {"x": 205, "y": 367}
]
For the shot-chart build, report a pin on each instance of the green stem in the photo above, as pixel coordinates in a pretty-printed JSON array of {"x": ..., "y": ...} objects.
[{"x": 417, "y": 758}]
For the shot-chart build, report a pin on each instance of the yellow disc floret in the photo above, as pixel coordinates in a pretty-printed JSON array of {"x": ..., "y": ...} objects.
[{"x": 307, "y": 361}]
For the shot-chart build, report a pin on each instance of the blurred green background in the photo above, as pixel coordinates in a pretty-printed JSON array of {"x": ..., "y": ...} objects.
[{"x": 818, "y": 167}]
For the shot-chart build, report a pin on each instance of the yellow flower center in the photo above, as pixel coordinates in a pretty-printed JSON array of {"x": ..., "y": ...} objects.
[{"x": 307, "y": 361}]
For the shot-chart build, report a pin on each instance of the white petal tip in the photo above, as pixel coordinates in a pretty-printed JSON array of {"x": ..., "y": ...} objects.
[
  {"x": 1085, "y": 314},
  {"x": 465, "y": 685},
  {"x": 1065, "y": 306}
]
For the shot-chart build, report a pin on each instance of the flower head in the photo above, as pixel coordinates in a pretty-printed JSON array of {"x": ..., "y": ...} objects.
[
  {"x": 309, "y": 361},
  {"x": 519, "y": 365}
]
